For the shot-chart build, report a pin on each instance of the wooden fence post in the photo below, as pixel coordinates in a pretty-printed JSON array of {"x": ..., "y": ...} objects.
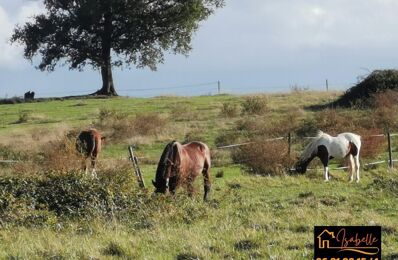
[
  {"x": 219, "y": 87},
  {"x": 390, "y": 161},
  {"x": 289, "y": 141},
  {"x": 327, "y": 85},
  {"x": 136, "y": 167}
]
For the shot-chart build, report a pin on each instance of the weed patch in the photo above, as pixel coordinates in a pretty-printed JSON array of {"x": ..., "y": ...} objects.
[
  {"x": 187, "y": 256},
  {"x": 114, "y": 249},
  {"x": 246, "y": 245}
]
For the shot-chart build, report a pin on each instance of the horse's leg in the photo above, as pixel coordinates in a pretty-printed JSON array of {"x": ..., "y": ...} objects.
[
  {"x": 326, "y": 173},
  {"x": 173, "y": 184},
  {"x": 85, "y": 168},
  {"x": 93, "y": 171},
  {"x": 190, "y": 187},
  {"x": 323, "y": 155},
  {"x": 352, "y": 167},
  {"x": 207, "y": 182},
  {"x": 357, "y": 164}
]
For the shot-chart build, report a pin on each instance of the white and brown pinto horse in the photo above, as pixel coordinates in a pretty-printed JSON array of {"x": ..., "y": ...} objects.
[
  {"x": 326, "y": 147},
  {"x": 181, "y": 164},
  {"x": 89, "y": 143}
]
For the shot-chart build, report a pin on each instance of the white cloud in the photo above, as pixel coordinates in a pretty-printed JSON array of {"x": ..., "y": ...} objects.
[
  {"x": 28, "y": 10},
  {"x": 268, "y": 34},
  {"x": 305, "y": 23},
  {"x": 11, "y": 55},
  {"x": 7, "y": 53}
]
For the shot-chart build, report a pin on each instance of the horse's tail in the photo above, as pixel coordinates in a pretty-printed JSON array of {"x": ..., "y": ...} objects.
[
  {"x": 94, "y": 146},
  {"x": 207, "y": 156},
  {"x": 355, "y": 139},
  {"x": 96, "y": 141}
]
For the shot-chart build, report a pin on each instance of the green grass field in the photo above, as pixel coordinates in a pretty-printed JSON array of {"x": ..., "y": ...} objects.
[{"x": 249, "y": 216}]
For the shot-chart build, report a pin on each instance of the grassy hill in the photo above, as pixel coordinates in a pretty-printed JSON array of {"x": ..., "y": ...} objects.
[{"x": 48, "y": 209}]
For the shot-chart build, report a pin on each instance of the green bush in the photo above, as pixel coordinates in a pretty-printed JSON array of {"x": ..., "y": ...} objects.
[
  {"x": 120, "y": 126},
  {"x": 39, "y": 199},
  {"x": 255, "y": 105},
  {"x": 229, "y": 110}
]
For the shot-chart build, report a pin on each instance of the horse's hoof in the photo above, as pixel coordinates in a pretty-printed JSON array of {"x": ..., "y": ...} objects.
[
  {"x": 357, "y": 181},
  {"x": 326, "y": 180}
]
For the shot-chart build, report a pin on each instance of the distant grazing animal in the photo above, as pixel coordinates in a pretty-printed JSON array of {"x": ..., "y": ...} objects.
[
  {"x": 30, "y": 95},
  {"x": 89, "y": 144},
  {"x": 182, "y": 164},
  {"x": 326, "y": 147}
]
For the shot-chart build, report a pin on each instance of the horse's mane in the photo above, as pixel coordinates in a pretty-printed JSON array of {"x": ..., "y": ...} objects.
[
  {"x": 161, "y": 164},
  {"x": 310, "y": 148}
]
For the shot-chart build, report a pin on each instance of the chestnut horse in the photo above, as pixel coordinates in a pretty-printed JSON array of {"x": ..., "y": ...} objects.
[
  {"x": 182, "y": 164},
  {"x": 89, "y": 144}
]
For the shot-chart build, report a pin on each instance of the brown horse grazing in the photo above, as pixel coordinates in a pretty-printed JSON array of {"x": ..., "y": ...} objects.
[
  {"x": 182, "y": 164},
  {"x": 89, "y": 144}
]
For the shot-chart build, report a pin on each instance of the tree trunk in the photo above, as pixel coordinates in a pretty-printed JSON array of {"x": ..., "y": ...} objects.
[{"x": 108, "y": 88}]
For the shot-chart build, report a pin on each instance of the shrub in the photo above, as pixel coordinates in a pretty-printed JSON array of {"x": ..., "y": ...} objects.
[
  {"x": 265, "y": 127},
  {"x": 229, "y": 109},
  {"x": 255, "y": 105},
  {"x": 308, "y": 127},
  {"x": 385, "y": 109},
  {"x": 251, "y": 125},
  {"x": 38, "y": 200},
  {"x": 227, "y": 137},
  {"x": 289, "y": 122},
  {"x": 264, "y": 158},
  {"x": 23, "y": 117},
  {"x": 221, "y": 157},
  {"x": 148, "y": 124},
  {"x": 372, "y": 146},
  {"x": 361, "y": 94},
  {"x": 60, "y": 155},
  {"x": 116, "y": 125},
  {"x": 8, "y": 153},
  {"x": 120, "y": 126},
  {"x": 333, "y": 121},
  {"x": 182, "y": 112},
  {"x": 195, "y": 134}
]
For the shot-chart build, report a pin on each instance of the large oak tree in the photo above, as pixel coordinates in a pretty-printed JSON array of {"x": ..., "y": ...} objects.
[{"x": 107, "y": 33}]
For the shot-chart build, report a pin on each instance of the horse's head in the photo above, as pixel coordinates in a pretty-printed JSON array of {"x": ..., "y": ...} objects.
[
  {"x": 301, "y": 166},
  {"x": 164, "y": 170},
  {"x": 302, "y": 163}
]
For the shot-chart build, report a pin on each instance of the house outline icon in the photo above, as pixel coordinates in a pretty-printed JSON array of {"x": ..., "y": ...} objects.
[{"x": 323, "y": 242}]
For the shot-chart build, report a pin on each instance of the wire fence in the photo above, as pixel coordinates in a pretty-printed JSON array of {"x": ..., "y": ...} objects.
[
  {"x": 390, "y": 161},
  {"x": 201, "y": 88}
]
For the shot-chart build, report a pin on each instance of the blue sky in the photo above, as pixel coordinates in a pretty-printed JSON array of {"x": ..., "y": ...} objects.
[{"x": 250, "y": 46}]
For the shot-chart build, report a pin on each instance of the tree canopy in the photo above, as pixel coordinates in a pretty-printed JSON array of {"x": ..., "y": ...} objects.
[{"x": 108, "y": 33}]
